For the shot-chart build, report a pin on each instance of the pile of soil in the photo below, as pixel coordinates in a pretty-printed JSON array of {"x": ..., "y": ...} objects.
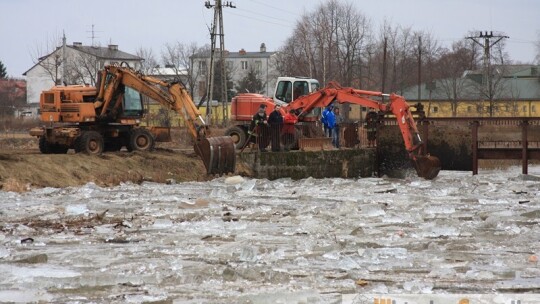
[{"x": 23, "y": 167}]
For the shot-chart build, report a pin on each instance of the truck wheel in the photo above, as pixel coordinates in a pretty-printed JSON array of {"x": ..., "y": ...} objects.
[
  {"x": 140, "y": 140},
  {"x": 90, "y": 142},
  {"x": 238, "y": 136},
  {"x": 44, "y": 145}
]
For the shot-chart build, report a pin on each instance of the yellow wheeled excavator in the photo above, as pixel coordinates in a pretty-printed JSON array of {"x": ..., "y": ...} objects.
[{"x": 107, "y": 117}]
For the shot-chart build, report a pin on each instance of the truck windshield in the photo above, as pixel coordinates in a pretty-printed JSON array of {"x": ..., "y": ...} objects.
[{"x": 132, "y": 103}]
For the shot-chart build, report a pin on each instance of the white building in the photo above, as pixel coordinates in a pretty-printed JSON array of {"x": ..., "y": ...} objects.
[
  {"x": 238, "y": 64},
  {"x": 80, "y": 63}
]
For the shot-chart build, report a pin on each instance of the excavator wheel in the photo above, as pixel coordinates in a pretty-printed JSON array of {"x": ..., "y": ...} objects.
[
  {"x": 427, "y": 166},
  {"x": 90, "y": 142},
  {"x": 44, "y": 145},
  {"x": 140, "y": 140},
  {"x": 218, "y": 154},
  {"x": 238, "y": 136}
]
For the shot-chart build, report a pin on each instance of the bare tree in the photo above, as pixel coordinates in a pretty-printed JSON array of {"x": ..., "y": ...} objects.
[
  {"x": 450, "y": 69},
  {"x": 327, "y": 44},
  {"x": 82, "y": 68},
  {"x": 178, "y": 56},
  {"x": 537, "y": 44},
  {"x": 49, "y": 56},
  {"x": 149, "y": 60}
]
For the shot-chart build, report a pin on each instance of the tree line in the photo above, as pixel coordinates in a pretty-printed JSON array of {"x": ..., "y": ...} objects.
[{"x": 336, "y": 41}]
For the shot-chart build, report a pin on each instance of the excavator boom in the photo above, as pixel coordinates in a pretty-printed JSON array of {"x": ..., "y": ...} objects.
[
  {"x": 426, "y": 166},
  {"x": 217, "y": 153}
]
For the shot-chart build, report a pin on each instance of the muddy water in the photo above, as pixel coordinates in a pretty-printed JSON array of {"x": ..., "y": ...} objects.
[{"x": 235, "y": 240}]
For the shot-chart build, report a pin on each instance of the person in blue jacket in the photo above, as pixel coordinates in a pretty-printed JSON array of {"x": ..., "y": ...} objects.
[{"x": 324, "y": 121}]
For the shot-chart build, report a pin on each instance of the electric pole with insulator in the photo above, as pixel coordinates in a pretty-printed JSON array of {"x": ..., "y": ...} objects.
[
  {"x": 217, "y": 31},
  {"x": 487, "y": 45}
]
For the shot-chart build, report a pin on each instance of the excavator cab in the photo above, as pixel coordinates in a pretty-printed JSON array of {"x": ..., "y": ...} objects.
[{"x": 132, "y": 104}]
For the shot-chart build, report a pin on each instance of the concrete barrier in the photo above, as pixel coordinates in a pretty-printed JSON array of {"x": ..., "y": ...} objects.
[{"x": 346, "y": 163}]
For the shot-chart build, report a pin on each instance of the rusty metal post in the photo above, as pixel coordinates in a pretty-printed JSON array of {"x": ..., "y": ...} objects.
[
  {"x": 524, "y": 147},
  {"x": 475, "y": 147},
  {"x": 425, "y": 127}
]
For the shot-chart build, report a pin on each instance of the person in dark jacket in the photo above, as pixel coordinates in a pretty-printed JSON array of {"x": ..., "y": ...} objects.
[
  {"x": 275, "y": 120},
  {"x": 259, "y": 127}
]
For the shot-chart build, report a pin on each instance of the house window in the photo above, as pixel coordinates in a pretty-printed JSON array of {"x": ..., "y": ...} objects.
[
  {"x": 435, "y": 109},
  {"x": 202, "y": 67},
  {"x": 469, "y": 109},
  {"x": 244, "y": 65},
  {"x": 229, "y": 65},
  {"x": 479, "y": 109},
  {"x": 202, "y": 88},
  {"x": 533, "y": 108},
  {"x": 524, "y": 109},
  {"x": 258, "y": 65}
]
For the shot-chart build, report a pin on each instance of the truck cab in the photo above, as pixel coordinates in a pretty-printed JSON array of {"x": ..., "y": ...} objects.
[{"x": 290, "y": 88}]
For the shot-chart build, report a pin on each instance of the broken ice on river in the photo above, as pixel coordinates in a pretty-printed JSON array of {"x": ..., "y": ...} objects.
[{"x": 241, "y": 240}]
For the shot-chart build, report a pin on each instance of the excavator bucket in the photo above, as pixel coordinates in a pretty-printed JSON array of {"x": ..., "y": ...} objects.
[
  {"x": 427, "y": 166},
  {"x": 218, "y": 154}
]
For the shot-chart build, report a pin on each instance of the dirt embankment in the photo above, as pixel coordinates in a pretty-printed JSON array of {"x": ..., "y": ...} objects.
[{"x": 23, "y": 167}]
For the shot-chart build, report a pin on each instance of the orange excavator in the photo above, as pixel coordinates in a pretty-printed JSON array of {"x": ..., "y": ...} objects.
[
  {"x": 107, "y": 117},
  {"x": 426, "y": 166}
]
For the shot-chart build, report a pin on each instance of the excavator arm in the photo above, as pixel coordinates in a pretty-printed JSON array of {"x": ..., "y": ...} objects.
[
  {"x": 426, "y": 166},
  {"x": 217, "y": 153}
]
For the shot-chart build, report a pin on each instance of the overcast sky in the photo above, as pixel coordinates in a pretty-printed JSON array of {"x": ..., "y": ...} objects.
[{"x": 26, "y": 25}]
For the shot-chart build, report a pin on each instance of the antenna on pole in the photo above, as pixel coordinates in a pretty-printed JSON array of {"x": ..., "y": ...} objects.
[
  {"x": 217, "y": 30},
  {"x": 93, "y": 34}
]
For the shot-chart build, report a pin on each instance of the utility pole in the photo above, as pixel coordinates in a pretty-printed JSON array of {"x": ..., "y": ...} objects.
[
  {"x": 217, "y": 30},
  {"x": 64, "y": 60},
  {"x": 419, "y": 68},
  {"x": 487, "y": 45},
  {"x": 384, "y": 66}
]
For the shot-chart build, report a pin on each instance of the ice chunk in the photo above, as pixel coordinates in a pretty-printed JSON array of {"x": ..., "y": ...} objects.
[
  {"x": 77, "y": 209},
  {"x": 442, "y": 273},
  {"x": 372, "y": 210},
  {"x": 479, "y": 275},
  {"x": 248, "y": 254},
  {"x": 162, "y": 223},
  {"x": 248, "y": 185},
  {"x": 234, "y": 180},
  {"x": 418, "y": 287},
  {"x": 4, "y": 253}
]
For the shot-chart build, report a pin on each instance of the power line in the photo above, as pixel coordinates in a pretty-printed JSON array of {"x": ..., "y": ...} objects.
[
  {"x": 276, "y": 8},
  {"x": 259, "y": 14},
  {"x": 260, "y": 20}
]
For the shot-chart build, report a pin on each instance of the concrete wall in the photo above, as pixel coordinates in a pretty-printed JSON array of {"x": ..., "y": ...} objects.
[{"x": 317, "y": 164}]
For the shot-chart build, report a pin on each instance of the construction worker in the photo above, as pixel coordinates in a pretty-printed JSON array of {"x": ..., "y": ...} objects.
[
  {"x": 371, "y": 127},
  {"x": 275, "y": 120},
  {"x": 334, "y": 122},
  {"x": 259, "y": 127}
]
